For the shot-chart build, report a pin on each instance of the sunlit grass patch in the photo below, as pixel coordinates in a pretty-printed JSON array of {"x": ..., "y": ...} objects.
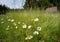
[{"x": 30, "y": 26}]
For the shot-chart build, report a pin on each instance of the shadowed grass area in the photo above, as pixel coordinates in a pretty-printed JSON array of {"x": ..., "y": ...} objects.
[{"x": 12, "y": 26}]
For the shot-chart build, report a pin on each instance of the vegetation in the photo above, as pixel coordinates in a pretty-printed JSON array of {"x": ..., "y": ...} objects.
[
  {"x": 30, "y": 26},
  {"x": 3, "y": 9},
  {"x": 42, "y": 4}
]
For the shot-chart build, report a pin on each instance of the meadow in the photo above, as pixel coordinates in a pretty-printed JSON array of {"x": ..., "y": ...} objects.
[{"x": 30, "y": 26}]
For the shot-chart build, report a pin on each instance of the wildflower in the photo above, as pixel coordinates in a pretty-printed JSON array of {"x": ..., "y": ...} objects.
[
  {"x": 7, "y": 28},
  {"x": 29, "y": 26},
  {"x": 43, "y": 41},
  {"x": 12, "y": 20},
  {"x": 14, "y": 24},
  {"x": 9, "y": 19},
  {"x": 36, "y": 19},
  {"x": 39, "y": 28},
  {"x": 18, "y": 22},
  {"x": 8, "y": 16},
  {"x": 2, "y": 22},
  {"x": 23, "y": 23},
  {"x": 24, "y": 26},
  {"x": 35, "y": 32},
  {"x": 29, "y": 37},
  {"x": 16, "y": 27},
  {"x": 2, "y": 19}
]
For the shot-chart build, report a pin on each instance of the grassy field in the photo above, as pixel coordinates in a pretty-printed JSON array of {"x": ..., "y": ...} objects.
[{"x": 30, "y": 26}]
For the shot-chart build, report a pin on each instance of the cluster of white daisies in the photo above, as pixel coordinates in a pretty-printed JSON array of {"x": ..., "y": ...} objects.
[
  {"x": 34, "y": 33},
  {"x": 24, "y": 26}
]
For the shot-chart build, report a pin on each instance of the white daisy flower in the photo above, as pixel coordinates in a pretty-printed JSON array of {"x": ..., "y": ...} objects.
[
  {"x": 39, "y": 28},
  {"x": 7, "y": 28},
  {"x": 36, "y": 19},
  {"x": 9, "y": 19},
  {"x": 23, "y": 23},
  {"x": 29, "y": 37},
  {"x": 43, "y": 41},
  {"x": 16, "y": 27},
  {"x": 18, "y": 22},
  {"x": 14, "y": 24},
  {"x": 24, "y": 26},
  {"x": 2, "y": 19},
  {"x": 12, "y": 20},
  {"x": 35, "y": 32},
  {"x": 29, "y": 26},
  {"x": 2, "y": 22}
]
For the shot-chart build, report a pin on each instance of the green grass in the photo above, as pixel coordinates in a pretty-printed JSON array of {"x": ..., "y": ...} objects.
[{"x": 49, "y": 23}]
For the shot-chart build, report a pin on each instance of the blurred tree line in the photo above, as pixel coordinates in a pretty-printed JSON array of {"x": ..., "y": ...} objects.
[
  {"x": 34, "y": 4},
  {"x": 41, "y": 4},
  {"x": 3, "y": 9}
]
